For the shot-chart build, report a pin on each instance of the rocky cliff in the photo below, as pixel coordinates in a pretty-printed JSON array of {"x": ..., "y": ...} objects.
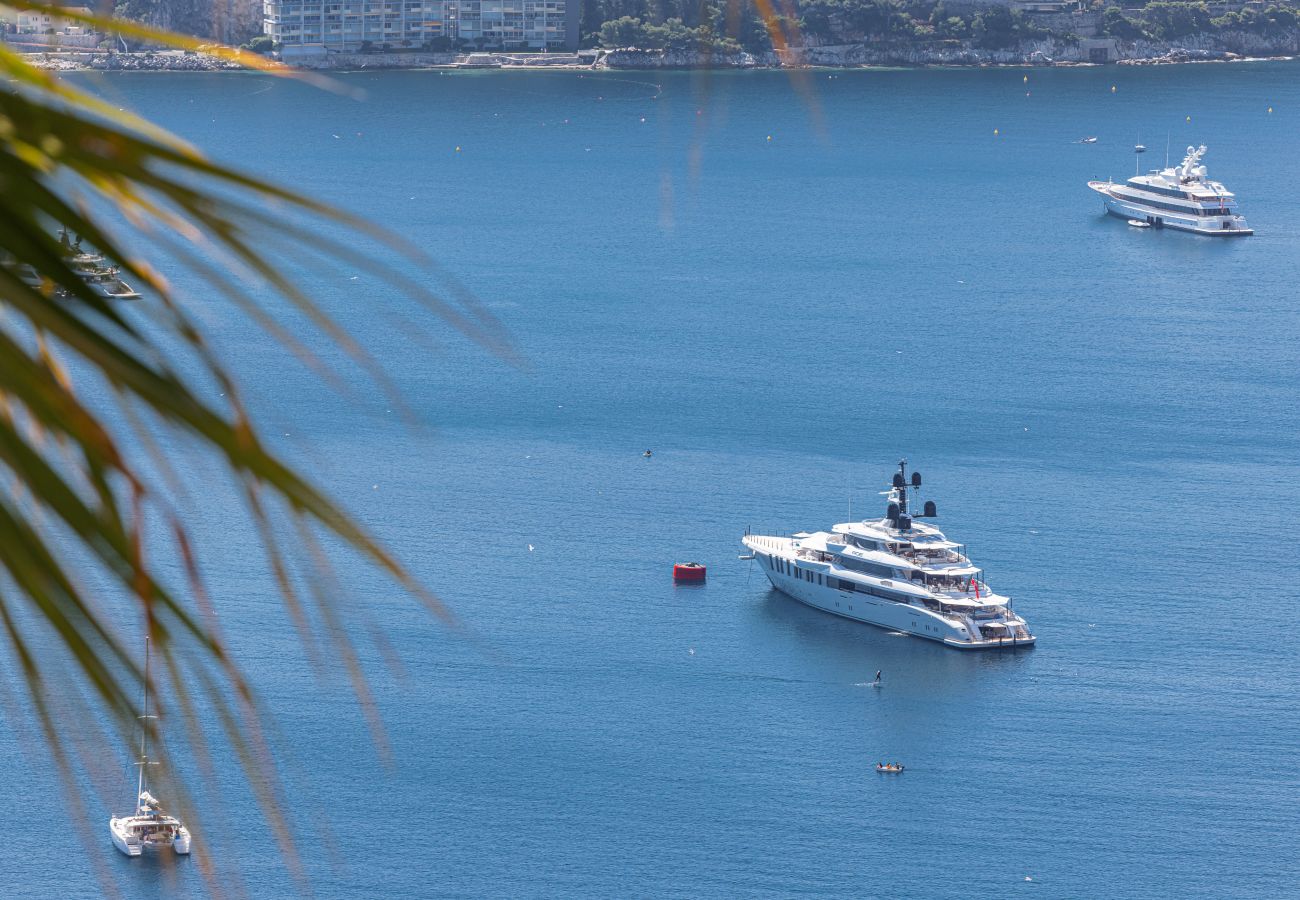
[{"x": 228, "y": 21}]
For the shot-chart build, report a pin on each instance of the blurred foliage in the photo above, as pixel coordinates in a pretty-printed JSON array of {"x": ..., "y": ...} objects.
[{"x": 107, "y": 407}]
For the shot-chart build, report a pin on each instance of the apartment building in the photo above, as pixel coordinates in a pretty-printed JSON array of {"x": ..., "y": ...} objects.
[{"x": 302, "y": 26}]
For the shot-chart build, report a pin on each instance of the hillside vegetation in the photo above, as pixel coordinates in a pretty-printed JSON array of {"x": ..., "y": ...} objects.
[{"x": 728, "y": 26}]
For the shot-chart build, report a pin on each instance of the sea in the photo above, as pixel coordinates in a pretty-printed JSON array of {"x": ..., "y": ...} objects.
[{"x": 780, "y": 284}]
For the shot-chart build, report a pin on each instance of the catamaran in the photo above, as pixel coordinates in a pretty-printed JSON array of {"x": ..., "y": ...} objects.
[{"x": 149, "y": 827}]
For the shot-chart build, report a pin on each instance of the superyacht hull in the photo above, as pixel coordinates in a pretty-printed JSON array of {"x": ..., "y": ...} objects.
[
  {"x": 816, "y": 589},
  {"x": 1159, "y": 217}
]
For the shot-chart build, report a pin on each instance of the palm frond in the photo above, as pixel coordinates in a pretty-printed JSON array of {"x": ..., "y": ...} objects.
[{"x": 92, "y": 491}]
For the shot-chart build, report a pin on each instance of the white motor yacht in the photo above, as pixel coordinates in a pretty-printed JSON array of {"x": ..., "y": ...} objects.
[
  {"x": 149, "y": 827},
  {"x": 1180, "y": 197},
  {"x": 896, "y": 573}
]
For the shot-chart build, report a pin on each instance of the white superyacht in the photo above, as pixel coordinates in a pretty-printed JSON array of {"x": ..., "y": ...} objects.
[
  {"x": 1180, "y": 197},
  {"x": 894, "y": 572}
]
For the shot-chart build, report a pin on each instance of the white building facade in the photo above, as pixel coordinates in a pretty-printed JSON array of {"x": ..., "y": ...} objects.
[{"x": 350, "y": 25}]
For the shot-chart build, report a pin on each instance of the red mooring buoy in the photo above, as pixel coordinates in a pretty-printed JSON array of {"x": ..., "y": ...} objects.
[{"x": 691, "y": 571}]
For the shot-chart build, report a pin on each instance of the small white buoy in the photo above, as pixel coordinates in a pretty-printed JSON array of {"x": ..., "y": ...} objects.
[{"x": 769, "y": 138}]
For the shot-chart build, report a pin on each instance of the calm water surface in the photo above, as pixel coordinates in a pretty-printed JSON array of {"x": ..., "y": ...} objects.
[{"x": 781, "y": 286}]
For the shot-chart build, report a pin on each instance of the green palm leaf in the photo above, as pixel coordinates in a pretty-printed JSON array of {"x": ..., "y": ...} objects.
[{"x": 90, "y": 489}]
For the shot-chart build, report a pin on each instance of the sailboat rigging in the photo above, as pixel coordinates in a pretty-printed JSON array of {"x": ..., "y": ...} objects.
[{"x": 149, "y": 827}]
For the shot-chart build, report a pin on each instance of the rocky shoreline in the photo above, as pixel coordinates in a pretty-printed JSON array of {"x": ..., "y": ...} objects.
[{"x": 1231, "y": 47}]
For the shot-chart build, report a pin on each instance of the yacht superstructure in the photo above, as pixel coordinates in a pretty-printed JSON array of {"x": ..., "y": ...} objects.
[
  {"x": 1180, "y": 197},
  {"x": 896, "y": 573}
]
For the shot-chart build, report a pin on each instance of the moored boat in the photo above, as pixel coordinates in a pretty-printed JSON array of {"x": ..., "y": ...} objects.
[
  {"x": 895, "y": 573},
  {"x": 149, "y": 827},
  {"x": 94, "y": 270},
  {"x": 1180, "y": 197}
]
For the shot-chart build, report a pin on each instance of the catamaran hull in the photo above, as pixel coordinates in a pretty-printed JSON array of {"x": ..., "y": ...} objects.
[
  {"x": 120, "y": 841},
  {"x": 180, "y": 846},
  {"x": 881, "y": 613}
]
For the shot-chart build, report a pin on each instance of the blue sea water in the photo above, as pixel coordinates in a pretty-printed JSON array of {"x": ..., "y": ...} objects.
[{"x": 781, "y": 285}]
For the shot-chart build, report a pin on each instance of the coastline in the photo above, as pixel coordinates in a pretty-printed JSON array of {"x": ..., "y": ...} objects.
[{"x": 854, "y": 56}]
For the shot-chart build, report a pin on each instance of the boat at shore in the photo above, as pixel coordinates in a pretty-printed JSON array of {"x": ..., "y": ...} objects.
[
  {"x": 1180, "y": 197},
  {"x": 149, "y": 827},
  {"x": 94, "y": 269},
  {"x": 895, "y": 573}
]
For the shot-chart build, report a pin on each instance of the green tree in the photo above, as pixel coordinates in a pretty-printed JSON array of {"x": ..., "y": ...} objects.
[
  {"x": 624, "y": 31},
  {"x": 994, "y": 28},
  {"x": 1116, "y": 24},
  {"x": 1174, "y": 20}
]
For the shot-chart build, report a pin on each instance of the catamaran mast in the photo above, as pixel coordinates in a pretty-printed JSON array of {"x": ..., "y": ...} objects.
[{"x": 144, "y": 730}]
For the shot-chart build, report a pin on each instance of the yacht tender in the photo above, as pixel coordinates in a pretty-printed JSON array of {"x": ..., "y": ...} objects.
[
  {"x": 896, "y": 573},
  {"x": 1179, "y": 197}
]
